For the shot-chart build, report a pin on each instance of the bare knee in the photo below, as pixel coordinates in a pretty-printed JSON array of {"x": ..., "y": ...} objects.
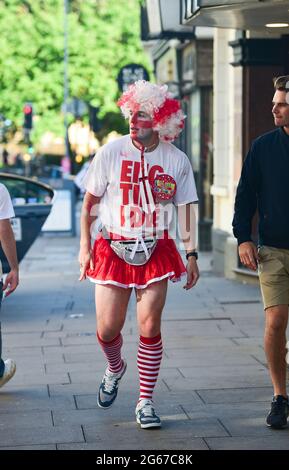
[
  {"x": 276, "y": 322},
  {"x": 149, "y": 326},
  {"x": 111, "y": 306},
  {"x": 275, "y": 329},
  {"x": 107, "y": 334},
  {"x": 108, "y": 328}
]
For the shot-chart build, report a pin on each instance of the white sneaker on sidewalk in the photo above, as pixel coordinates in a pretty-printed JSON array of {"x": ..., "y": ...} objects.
[
  {"x": 146, "y": 416},
  {"x": 9, "y": 371}
]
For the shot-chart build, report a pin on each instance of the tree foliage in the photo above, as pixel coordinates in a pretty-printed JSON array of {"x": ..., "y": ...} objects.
[{"x": 103, "y": 36}]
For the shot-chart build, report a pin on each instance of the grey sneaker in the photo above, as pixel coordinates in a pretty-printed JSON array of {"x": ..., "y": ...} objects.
[
  {"x": 9, "y": 371},
  {"x": 146, "y": 416},
  {"x": 109, "y": 387}
]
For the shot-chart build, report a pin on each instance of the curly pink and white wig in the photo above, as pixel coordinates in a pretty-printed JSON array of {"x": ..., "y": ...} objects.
[{"x": 155, "y": 100}]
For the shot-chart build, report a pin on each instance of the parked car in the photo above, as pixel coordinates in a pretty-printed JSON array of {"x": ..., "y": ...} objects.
[{"x": 32, "y": 201}]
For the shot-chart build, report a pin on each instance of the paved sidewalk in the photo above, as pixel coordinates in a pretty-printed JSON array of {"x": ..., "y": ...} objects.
[{"x": 213, "y": 392}]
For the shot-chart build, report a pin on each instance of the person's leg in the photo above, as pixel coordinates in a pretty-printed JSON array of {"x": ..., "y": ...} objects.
[
  {"x": 150, "y": 304},
  {"x": 111, "y": 306},
  {"x": 2, "y": 365},
  {"x": 273, "y": 270},
  {"x": 275, "y": 346},
  {"x": 7, "y": 367}
]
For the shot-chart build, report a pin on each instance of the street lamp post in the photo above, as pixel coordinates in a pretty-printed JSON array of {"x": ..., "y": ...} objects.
[{"x": 67, "y": 161}]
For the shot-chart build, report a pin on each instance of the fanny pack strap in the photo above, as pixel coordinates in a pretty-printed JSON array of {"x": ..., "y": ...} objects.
[
  {"x": 148, "y": 203},
  {"x": 137, "y": 241},
  {"x": 141, "y": 241}
]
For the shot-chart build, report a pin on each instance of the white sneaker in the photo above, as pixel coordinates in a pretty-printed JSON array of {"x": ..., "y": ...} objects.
[
  {"x": 109, "y": 387},
  {"x": 146, "y": 416},
  {"x": 9, "y": 371}
]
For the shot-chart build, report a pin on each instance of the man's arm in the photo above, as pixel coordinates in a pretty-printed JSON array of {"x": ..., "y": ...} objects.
[
  {"x": 9, "y": 247},
  {"x": 89, "y": 214},
  {"x": 188, "y": 229},
  {"x": 245, "y": 208}
]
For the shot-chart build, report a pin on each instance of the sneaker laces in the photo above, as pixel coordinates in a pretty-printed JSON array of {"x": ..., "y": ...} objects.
[{"x": 110, "y": 380}]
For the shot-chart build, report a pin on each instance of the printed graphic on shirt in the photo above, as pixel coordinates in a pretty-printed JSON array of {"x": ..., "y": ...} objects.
[
  {"x": 131, "y": 209},
  {"x": 164, "y": 187}
]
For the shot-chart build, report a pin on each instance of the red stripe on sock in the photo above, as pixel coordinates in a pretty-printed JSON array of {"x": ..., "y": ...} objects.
[
  {"x": 148, "y": 362},
  {"x": 152, "y": 341},
  {"x": 112, "y": 352}
]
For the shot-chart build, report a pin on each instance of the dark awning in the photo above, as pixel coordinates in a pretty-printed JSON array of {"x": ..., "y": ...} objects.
[{"x": 236, "y": 14}]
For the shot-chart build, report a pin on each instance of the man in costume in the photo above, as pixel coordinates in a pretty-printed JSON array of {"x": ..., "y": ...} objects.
[{"x": 132, "y": 185}]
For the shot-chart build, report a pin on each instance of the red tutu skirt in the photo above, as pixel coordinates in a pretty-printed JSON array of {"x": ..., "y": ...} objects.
[{"x": 165, "y": 262}]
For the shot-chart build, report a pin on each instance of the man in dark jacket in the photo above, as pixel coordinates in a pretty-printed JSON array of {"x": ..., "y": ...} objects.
[{"x": 264, "y": 186}]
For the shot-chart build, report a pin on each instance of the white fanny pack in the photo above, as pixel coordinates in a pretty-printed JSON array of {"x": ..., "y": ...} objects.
[{"x": 136, "y": 252}]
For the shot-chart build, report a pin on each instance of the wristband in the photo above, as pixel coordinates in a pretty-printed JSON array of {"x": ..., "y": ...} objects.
[{"x": 192, "y": 253}]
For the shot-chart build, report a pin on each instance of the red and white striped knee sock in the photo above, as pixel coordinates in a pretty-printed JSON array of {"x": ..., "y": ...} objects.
[
  {"x": 148, "y": 362},
  {"x": 112, "y": 351}
]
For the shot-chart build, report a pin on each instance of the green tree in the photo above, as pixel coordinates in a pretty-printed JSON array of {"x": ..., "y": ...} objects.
[{"x": 103, "y": 36}]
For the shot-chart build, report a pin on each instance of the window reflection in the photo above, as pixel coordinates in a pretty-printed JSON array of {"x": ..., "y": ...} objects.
[{"x": 26, "y": 192}]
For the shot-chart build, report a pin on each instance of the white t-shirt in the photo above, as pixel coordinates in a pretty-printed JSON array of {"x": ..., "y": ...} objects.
[
  {"x": 6, "y": 209},
  {"x": 114, "y": 176}
]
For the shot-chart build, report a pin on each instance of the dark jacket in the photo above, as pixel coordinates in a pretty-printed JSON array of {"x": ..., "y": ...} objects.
[{"x": 264, "y": 185}]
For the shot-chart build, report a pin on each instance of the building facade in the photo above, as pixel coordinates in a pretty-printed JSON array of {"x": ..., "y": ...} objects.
[
  {"x": 183, "y": 59},
  {"x": 251, "y": 47}
]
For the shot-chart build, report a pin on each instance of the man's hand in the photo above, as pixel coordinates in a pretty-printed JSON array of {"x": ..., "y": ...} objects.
[
  {"x": 11, "y": 282},
  {"x": 85, "y": 260},
  {"x": 192, "y": 273},
  {"x": 248, "y": 255},
  {"x": 88, "y": 217},
  {"x": 9, "y": 247}
]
